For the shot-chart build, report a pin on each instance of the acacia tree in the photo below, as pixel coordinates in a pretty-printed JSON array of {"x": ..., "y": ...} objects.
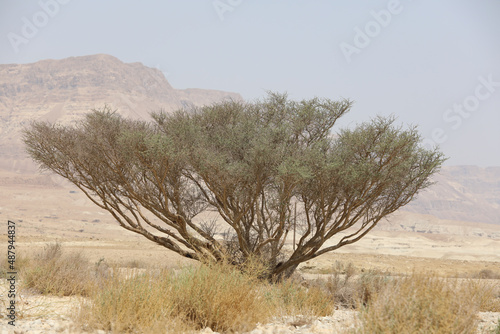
[{"x": 253, "y": 163}]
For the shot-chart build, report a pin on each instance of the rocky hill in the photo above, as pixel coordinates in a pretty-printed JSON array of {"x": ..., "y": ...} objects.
[
  {"x": 466, "y": 193},
  {"x": 63, "y": 90}
]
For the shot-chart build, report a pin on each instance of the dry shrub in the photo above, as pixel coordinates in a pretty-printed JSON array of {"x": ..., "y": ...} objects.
[
  {"x": 485, "y": 294},
  {"x": 488, "y": 274},
  {"x": 55, "y": 273},
  {"x": 140, "y": 304},
  {"x": 21, "y": 262},
  {"x": 351, "y": 291},
  {"x": 217, "y": 296},
  {"x": 253, "y": 266},
  {"x": 369, "y": 284},
  {"x": 420, "y": 304},
  {"x": 220, "y": 297},
  {"x": 290, "y": 298}
]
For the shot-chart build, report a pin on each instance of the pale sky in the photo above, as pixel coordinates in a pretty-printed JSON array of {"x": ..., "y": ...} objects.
[{"x": 435, "y": 64}]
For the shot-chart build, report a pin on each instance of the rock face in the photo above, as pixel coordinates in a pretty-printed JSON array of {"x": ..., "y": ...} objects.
[
  {"x": 63, "y": 90},
  {"x": 466, "y": 193}
]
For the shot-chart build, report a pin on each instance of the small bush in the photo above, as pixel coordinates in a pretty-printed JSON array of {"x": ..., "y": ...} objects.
[
  {"x": 20, "y": 263},
  {"x": 369, "y": 284},
  {"x": 485, "y": 295},
  {"x": 487, "y": 274},
  {"x": 351, "y": 291},
  {"x": 52, "y": 272},
  {"x": 290, "y": 298},
  {"x": 216, "y": 296},
  {"x": 219, "y": 297},
  {"x": 419, "y": 304},
  {"x": 141, "y": 304}
]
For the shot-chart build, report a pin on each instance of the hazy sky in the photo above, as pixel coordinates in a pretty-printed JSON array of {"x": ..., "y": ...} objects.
[{"x": 431, "y": 63}]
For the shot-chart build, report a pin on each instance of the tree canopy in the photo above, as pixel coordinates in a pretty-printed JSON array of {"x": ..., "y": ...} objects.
[{"x": 254, "y": 163}]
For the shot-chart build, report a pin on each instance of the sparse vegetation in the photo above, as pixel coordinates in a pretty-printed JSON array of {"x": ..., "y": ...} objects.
[
  {"x": 421, "y": 304},
  {"x": 52, "y": 272},
  {"x": 484, "y": 293},
  {"x": 139, "y": 304},
  {"x": 290, "y": 298},
  {"x": 350, "y": 287},
  {"x": 230, "y": 299},
  {"x": 22, "y": 261},
  {"x": 135, "y": 264},
  {"x": 216, "y": 296},
  {"x": 487, "y": 274}
]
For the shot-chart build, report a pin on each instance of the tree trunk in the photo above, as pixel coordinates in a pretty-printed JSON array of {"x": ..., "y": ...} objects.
[{"x": 283, "y": 275}]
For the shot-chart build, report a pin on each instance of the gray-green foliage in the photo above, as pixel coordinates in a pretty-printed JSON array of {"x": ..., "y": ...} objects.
[{"x": 253, "y": 163}]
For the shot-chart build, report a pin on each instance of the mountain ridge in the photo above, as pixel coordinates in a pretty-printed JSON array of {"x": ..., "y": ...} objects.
[
  {"x": 466, "y": 193},
  {"x": 63, "y": 90}
]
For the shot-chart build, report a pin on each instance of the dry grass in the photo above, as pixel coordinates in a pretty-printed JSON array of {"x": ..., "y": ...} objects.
[
  {"x": 483, "y": 293},
  {"x": 218, "y": 297},
  {"x": 126, "y": 300},
  {"x": 289, "y": 298},
  {"x": 48, "y": 273},
  {"x": 421, "y": 304},
  {"x": 21, "y": 262},
  {"x": 349, "y": 287},
  {"x": 136, "y": 264},
  {"x": 52, "y": 272},
  {"x": 486, "y": 274},
  {"x": 133, "y": 299},
  {"x": 139, "y": 304},
  {"x": 215, "y": 296}
]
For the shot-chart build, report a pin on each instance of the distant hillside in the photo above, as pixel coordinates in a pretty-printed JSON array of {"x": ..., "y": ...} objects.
[
  {"x": 63, "y": 90},
  {"x": 466, "y": 193},
  {"x": 403, "y": 220}
]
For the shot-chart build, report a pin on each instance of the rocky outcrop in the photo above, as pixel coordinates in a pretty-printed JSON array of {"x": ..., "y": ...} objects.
[
  {"x": 467, "y": 193},
  {"x": 63, "y": 90}
]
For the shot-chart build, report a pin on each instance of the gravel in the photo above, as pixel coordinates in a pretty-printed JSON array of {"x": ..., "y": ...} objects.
[{"x": 339, "y": 322}]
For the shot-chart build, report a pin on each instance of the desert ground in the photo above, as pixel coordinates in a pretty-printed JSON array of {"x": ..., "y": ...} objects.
[{"x": 46, "y": 210}]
